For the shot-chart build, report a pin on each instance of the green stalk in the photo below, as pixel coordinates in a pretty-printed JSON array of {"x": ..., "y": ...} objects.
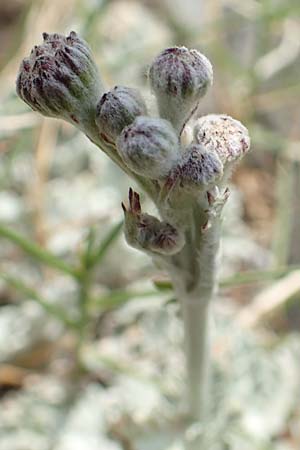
[
  {"x": 83, "y": 296},
  {"x": 96, "y": 255}
]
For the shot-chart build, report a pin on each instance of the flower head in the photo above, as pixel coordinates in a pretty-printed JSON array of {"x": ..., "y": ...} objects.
[
  {"x": 149, "y": 147},
  {"x": 199, "y": 168},
  {"x": 117, "y": 109},
  {"x": 179, "y": 77},
  {"x": 60, "y": 79},
  {"x": 224, "y": 135}
]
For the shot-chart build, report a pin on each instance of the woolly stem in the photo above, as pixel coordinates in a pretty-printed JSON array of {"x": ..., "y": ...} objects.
[
  {"x": 196, "y": 319},
  {"x": 194, "y": 277}
]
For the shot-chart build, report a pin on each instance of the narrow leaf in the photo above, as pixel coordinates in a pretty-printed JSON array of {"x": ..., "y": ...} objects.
[
  {"x": 104, "y": 246},
  {"x": 37, "y": 252},
  {"x": 31, "y": 294}
]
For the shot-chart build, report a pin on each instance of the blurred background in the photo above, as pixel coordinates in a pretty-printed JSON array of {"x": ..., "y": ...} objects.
[{"x": 85, "y": 321}]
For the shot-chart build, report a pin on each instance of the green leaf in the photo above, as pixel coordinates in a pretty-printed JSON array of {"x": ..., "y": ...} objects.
[
  {"x": 97, "y": 256},
  {"x": 37, "y": 252},
  {"x": 89, "y": 245},
  {"x": 51, "y": 309},
  {"x": 163, "y": 285}
]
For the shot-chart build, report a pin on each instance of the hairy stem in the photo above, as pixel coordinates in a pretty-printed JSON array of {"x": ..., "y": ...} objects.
[
  {"x": 193, "y": 274},
  {"x": 196, "y": 319}
]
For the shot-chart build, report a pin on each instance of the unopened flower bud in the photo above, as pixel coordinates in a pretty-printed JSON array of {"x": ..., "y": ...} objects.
[
  {"x": 179, "y": 78},
  {"x": 117, "y": 109},
  {"x": 149, "y": 147},
  {"x": 223, "y": 135},
  {"x": 60, "y": 79},
  {"x": 147, "y": 233},
  {"x": 200, "y": 168}
]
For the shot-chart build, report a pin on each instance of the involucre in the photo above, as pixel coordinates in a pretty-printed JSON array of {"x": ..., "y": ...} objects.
[
  {"x": 60, "y": 79},
  {"x": 149, "y": 147},
  {"x": 179, "y": 78},
  {"x": 117, "y": 109}
]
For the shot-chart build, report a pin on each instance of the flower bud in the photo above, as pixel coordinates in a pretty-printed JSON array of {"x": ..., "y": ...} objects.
[
  {"x": 223, "y": 135},
  {"x": 149, "y": 147},
  {"x": 160, "y": 236},
  {"x": 179, "y": 78},
  {"x": 60, "y": 79},
  {"x": 147, "y": 233},
  {"x": 199, "y": 168},
  {"x": 117, "y": 109}
]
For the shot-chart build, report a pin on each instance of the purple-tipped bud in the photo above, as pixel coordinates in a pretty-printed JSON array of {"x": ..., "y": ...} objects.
[
  {"x": 199, "y": 168},
  {"x": 223, "y": 135},
  {"x": 117, "y": 109},
  {"x": 179, "y": 77},
  {"x": 149, "y": 147},
  {"x": 60, "y": 79},
  {"x": 147, "y": 233}
]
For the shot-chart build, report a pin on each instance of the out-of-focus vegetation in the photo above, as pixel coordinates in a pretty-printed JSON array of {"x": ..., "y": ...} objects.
[{"x": 89, "y": 331}]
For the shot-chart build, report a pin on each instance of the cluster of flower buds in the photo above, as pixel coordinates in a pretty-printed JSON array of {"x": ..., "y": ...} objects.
[{"x": 60, "y": 79}]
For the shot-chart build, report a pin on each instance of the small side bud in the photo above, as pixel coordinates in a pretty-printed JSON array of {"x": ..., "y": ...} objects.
[
  {"x": 149, "y": 147},
  {"x": 216, "y": 200},
  {"x": 117, "y": 109},
  {"x": 60, "y": 79},
  {"x": 147, "y": 233},
  {"x": 224, "y": 135},
  {"x": 179, "y": 77},
  {"x": 200, "y": 168}
]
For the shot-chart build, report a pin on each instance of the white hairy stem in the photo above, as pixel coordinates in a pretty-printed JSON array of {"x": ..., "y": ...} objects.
[
  {"x": 194, "y": 276},
  {"x": 196, "y": 319}
]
